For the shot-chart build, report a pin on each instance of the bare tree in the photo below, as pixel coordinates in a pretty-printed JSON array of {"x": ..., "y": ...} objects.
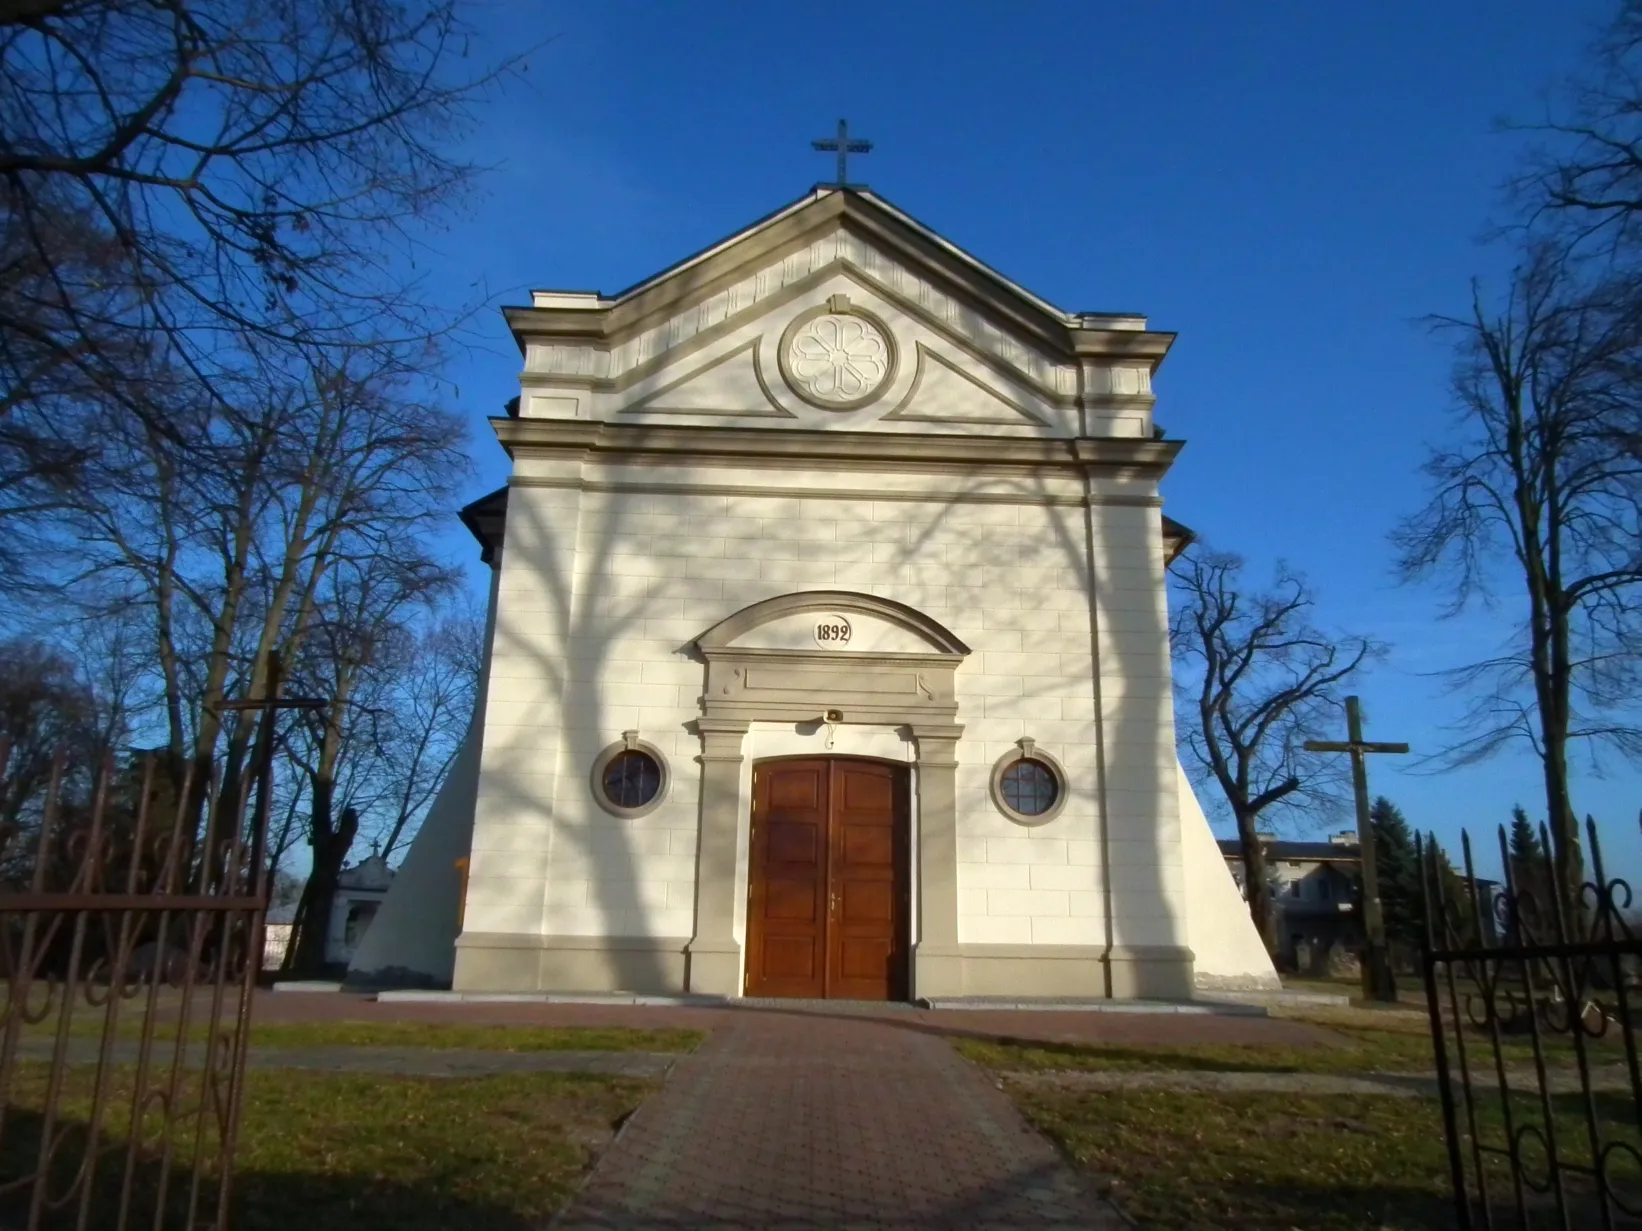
[
  {"x": 400, "y": 671},
  {"x": 248, "y": 166},
  {"x": 225, "y": 537},
  {"x": 285, "y": 825},
  {"x": 348, "y": 660},
  {"x": 54, "y": 370},
  {"x": 1259, "y": 678},
  {"x": 47, "y": 710},
  {"x": 1540, "y": 497},
  {"x": 188, "y": 187},
  {"x": 420, "y": 730},
  {"x": 1582, "y": 181}
]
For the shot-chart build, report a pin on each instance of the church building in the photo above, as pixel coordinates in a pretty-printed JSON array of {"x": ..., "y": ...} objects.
[{"x": 828, "y": 648}]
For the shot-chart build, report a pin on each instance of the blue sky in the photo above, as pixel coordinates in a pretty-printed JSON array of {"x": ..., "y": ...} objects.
[{"x": 1289, "y": 186}]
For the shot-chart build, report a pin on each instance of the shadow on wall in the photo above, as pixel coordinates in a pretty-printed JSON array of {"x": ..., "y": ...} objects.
[
  {"x": 561, "y": 612},
  {"x": 587, "y": 575}
]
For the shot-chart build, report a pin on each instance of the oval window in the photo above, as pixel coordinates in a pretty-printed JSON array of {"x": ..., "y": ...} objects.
[
  {"x": 631, "y": 779},
  {"x": 1029, "y": 787}
]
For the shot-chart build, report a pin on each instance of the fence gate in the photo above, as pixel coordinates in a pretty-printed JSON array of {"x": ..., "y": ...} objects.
[
  {"x": 1533, "y": 1017},
  {"x": 131, "y": 923}
]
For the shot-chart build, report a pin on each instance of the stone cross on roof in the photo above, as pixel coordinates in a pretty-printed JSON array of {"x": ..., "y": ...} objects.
[{"x": 844, "y": 146}]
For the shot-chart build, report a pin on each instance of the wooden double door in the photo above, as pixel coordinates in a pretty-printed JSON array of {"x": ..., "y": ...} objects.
[{"x": 829, "y": 880}]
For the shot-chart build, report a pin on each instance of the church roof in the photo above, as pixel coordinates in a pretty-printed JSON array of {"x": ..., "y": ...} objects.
[
  {"x": 1321, "y": 852},
  {"x": 865, "y": 197},
  {"x": 875, "y": 219},
  {"x": 484, "y": 519},
  {"x": 1176, "y": 538}
]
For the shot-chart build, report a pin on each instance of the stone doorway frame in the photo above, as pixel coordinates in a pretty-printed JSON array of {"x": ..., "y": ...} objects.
[{"x": 915, "y": 691}]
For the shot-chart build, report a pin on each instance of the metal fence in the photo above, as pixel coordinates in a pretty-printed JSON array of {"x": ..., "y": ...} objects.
[
  {"x": 131, "y": 918},
  {"x": 1533, "y": 1015}
]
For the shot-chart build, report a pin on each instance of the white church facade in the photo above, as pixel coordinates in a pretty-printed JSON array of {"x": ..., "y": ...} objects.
[{"x": 828, "y": 648}]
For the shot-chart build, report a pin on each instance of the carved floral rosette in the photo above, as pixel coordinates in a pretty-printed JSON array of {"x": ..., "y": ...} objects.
[{"x": 837, "y": 356}]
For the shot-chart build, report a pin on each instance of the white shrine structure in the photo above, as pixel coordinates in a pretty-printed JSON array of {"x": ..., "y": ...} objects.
[{"x": 828, "y": 650}]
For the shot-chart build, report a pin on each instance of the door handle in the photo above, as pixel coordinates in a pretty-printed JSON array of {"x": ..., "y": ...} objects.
[{"x": 832, "y": 903}]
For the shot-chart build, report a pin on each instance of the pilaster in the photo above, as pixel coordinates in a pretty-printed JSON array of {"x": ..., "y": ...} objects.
[
  {"x": 715, "y": 954},
  {"x": 937, "y": 967}
]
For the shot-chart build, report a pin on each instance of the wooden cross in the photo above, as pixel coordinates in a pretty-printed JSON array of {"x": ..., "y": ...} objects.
[
  {"x": 1378, "y": 981},
  {"x": 269, "y": 704},
  {"x": 844, "y": 147}
]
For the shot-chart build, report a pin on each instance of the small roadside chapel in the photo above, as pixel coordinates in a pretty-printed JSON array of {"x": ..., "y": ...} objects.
[{"x": 828, "y": 647}]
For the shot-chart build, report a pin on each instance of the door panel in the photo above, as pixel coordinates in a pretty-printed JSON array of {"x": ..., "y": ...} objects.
[
  {"x": 867, "y": 902},
  {"x": 798, "y": 784},
  {"x": 864, "y": 962},
  {"x": 867, "y": 924},
  {"x": 829, "y": 880},
  {"x": 787, "y": 889},
  {"x": 868, "y": 786},
  {"x": 794, "y": 843},
  {"x": 867, "y": 846}
]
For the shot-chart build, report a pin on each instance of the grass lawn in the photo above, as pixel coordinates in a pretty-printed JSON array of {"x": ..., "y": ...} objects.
[
  {"x": 345, "y": 1152},
  {"x": 1334, "y": 1163},
  {"x": 87, "y": 1023},
  {"x": 472, "y": 1038},
  {"x": 1198, "y": 1160},
  {"x": 1329, "y": 1162},
  {"x": 1362, "y": 1041}
]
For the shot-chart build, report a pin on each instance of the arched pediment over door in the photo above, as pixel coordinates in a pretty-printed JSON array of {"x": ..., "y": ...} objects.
[{"x": 796, "y": 656}]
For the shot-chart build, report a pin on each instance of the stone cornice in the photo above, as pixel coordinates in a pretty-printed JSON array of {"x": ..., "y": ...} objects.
[
  {"x": 607, "y": 321},
  {"x": 755, "y": 446},
  {"x": 1147, "y": 344}
]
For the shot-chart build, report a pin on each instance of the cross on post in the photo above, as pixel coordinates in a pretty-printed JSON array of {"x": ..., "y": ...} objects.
[
  {"x": 1378, "y": 980},
  {"x": 844, "y": 146},
  {"x": 269, "y": 704}
]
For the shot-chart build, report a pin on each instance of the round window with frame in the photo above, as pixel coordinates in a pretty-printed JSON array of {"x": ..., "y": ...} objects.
[
  {"x": 630, "y": 778},
  {"x": 1028, "y": 785}
]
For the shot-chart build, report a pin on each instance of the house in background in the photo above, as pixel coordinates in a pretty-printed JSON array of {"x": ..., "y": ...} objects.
[
  {"x": 1314, "y": 891},
  {"x": 276, "y": 934},
  {"x": 359, "y": 894},
  {"x": 1314, "y": 888}
]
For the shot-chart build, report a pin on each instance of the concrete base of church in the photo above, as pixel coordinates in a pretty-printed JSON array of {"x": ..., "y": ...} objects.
[
  {"x": 1043, "y": 971},
  {"x": 1157, "y": 973},
  {"x": 499, "y": 962},
  {"x": 494, "y": 962},
  {"x": 715, "y": 969}
]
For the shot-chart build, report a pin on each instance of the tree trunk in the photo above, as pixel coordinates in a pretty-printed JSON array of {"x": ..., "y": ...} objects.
[
  {"x": 313, "y": 927},
  {"x": 1566, "y": 855},
  {"x": 1257, "y": 888}
]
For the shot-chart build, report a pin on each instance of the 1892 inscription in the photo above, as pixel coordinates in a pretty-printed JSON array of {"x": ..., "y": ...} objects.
[{"x": 832, "y": 631}]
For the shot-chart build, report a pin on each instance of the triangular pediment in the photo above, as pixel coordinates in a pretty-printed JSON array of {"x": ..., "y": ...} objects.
[
  {"x": 838, "y": 312},
  {"x": 947, "y": 390},
  {"x": 881, "y": 227},
  {"x": 726, "y": 385}
]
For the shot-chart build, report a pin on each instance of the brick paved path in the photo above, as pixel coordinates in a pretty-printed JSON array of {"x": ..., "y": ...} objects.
[{"x": 802, "y": 1120}]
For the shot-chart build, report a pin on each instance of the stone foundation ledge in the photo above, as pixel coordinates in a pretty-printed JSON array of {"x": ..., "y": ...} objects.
[
  {"x": 1251, "y": 982},
  {"x": 421, "y": 996},
  {"x": 1278, "y": 999},
  {"x": 1064, "y": 1005}
]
